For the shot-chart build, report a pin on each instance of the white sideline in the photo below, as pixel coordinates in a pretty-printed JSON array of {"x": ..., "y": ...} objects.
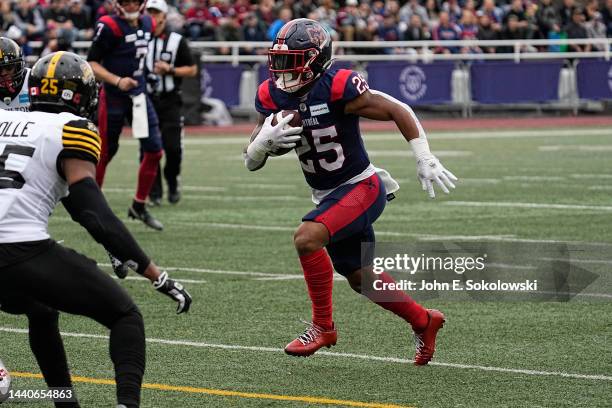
[{"x": 598, "y": 377}]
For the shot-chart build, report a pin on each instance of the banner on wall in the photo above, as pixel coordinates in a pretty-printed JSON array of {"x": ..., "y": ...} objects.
[
  {"x": 594, "y": 79},
  {"x": 511, "y": 82},
  {"x": 414, "y": 84},
  {"x": 222, "y": 81}
]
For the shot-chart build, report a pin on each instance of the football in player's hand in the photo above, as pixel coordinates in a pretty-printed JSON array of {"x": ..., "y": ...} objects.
[{"x": 296, "y": 121}]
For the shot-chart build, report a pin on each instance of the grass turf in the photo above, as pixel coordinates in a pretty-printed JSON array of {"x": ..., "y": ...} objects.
[{"x": 233, "y": 220}]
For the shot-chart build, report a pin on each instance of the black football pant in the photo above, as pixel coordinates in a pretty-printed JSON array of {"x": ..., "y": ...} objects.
[
  {"x": 62, "y": 280},
  {"x": 168, "y": 108}
]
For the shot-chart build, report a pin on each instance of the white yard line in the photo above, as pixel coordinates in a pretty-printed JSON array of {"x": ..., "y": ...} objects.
[
  {"x": 595, "y": 377},
  {"x": 393, "y": 136},
  {"x": 220, "y": 271},
  {"x": 528, "y": 205},
  {"x": 592, "y": 176},
  {"x": 576, "y": 148}
]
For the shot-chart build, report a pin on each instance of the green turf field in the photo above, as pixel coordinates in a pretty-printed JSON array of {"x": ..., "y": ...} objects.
[{"x": 230, "y": 241}]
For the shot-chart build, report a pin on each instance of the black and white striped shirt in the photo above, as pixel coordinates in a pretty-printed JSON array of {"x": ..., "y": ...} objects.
[{"x": 172, "y": 48}]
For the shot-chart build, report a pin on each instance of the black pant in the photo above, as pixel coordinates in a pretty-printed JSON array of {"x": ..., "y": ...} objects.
[
  {"x": 60, "y": 279},
  {"x": 168, "y": 108}
]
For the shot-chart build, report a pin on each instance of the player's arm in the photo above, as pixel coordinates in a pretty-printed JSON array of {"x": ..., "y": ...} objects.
[
  {"x": 101, "y": 46},
  {"x": 87, "y": 206},
  {"x": 267, "y": 138},
  {"x": 377, "y": 105}
]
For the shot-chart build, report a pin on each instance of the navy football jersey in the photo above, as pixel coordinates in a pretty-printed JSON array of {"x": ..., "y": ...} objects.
[
  {"x": 331, "y": 150},
  {"x": 122, "y": 49}
]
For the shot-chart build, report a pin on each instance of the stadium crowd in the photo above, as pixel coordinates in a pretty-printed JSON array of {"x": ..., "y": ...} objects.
[{"x": 60, "y": 22}]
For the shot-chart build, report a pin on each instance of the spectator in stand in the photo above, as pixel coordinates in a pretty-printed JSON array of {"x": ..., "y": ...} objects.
[
  {"x": 411, "y": 8},
  {"x": 326, "y": 14},
  {"x": 433, "y": 12},
  {"x": 594, "y": 24},
  {"x": 284, "y": 16},
  {"x": 175, "y": 20},
  {"x": 241, "y": 9},
  {"x": 200, "y": 23},
  {"x": 253, "y": 30},
  {"x": 59, "y": 25},
  {"x": 7, "y": 19},
  {"x": 607, "y": 17},
  {"x": 302, "y": 9},
  {"x": 388, "y": 31},
  {"x": 495, "y": 14},
  {"x": 517, "y": 10},
  {"x": 547, "y": 17},
  {"x": 555, "y": 33},
  {"x": 347, "y": 20},
  {"x": 470, "y": 5},
  {"x": 486, "y": 32},
  {"x": 417, "y": 30},
  {"x": 453, "y": 9},
  {"x": 29, "y": 20},
  {"x": 565, "y": 12},
  {"x": 229, "y": 30},
  {"x": 514, "y": 30},
  {"x": 533, "y": 29},
  {"x": 79, "y": 17},
  {"x": 265, "y": 12},
  {"x": 469, "y": 31},
  {"x": 446, "y": 30},
  {"x": 576, "y": 29}
]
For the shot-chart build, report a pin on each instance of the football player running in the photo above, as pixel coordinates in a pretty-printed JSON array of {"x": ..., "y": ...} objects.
[
  {"x": 48, "y": 155},
  {"x": 350, "y": 193},
  {"x": 117, "y": 56},
  {"x": 13, "y": 77}
]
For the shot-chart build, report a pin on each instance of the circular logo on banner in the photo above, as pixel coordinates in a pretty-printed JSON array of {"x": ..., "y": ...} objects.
[
  {"x": 413, "y": 83},
  {"x": 610, "y": 78},
  {"x": 206, "y": 86}
]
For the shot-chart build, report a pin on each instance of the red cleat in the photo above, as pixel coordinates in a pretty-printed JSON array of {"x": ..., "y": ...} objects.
[
  {"x": 425, "y": 341},
  {"x": 311, "y": 340}
]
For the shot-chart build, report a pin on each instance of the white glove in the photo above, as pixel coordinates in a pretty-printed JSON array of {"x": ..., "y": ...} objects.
[
  {"x": 429, "y": 168},
  {"x": 271, "y": 138}
]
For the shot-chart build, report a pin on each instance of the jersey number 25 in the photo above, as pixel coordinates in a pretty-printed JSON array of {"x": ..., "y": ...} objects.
[{"x": 321, "y": 146}]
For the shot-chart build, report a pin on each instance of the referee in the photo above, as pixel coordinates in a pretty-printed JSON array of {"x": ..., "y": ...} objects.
[{"x": 168, "y": 61}]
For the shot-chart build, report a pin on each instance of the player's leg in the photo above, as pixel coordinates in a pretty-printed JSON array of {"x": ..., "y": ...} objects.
[
  {"x": 172, "y": 135},
  {"x": 344, "y": 213},
  {"x": 111, "y": 118},
  {"x": 354, "y": 261},
  {"x": 151, "y": 155},
  {"x": 157, "y": 191},
  {"x": 93, "y": 294},
  {"x": 44, "y": 337}
]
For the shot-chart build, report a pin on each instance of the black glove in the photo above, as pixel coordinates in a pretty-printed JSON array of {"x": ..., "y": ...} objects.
[
  {"x": 174, "y": 290},
  {"x": 121, "y": 269}
]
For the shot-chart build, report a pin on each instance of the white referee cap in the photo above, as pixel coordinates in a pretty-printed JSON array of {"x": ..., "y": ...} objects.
[{"x": 157, "y": 5}]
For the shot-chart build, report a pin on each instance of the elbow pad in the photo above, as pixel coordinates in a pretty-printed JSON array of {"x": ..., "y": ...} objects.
[{"x": 87, "y": 206}]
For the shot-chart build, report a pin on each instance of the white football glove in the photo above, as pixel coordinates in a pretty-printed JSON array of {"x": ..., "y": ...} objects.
[
  {"x": 5, "y": 383},
  {"x": 429, "y": 168},
  {"x": 271, "y": 138}
]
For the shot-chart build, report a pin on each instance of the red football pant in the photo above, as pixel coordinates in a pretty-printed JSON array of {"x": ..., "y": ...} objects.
[{"x": 146, "y": 174}]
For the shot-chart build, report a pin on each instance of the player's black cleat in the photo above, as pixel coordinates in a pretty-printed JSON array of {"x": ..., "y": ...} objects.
[
  {"x": 174, "y": 197},
  {"x": 145, "y": 216}
]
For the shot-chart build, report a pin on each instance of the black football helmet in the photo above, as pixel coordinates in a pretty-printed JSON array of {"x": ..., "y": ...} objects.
[
  {"x": 63, "y": 82},
  {"x": 12, "y": 68},
  {"x": 301, "y": 53}
]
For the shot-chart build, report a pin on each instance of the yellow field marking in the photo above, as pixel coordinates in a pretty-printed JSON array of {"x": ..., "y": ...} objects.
[{"x": 228, "y": 393}]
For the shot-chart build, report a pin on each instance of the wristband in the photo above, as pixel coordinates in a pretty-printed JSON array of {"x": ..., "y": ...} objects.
[
  {"x": 118, "y": 81},
  {"x": 420, "y": 147}
]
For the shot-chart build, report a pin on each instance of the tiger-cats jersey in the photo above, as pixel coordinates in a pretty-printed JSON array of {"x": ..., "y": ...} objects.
[
  {"x": 32, "y": 145},
  {"x": 21, "y": 101}
]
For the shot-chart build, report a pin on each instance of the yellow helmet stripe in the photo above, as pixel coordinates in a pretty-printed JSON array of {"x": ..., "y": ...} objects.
[{"x": 53, "y": 63}]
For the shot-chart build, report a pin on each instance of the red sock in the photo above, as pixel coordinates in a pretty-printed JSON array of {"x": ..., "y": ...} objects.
[
  {"x": 400, "y": 303},
  {"x": 319, "y": 276},
  {"x": 146, "y": 174}
]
